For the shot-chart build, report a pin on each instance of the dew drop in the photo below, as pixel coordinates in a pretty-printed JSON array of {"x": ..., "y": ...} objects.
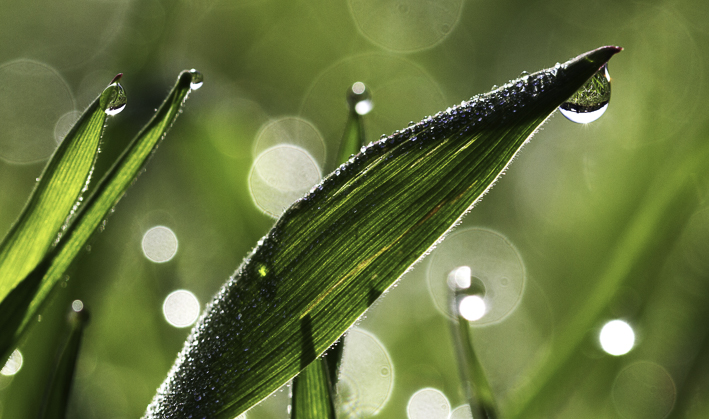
[
  {"x": 197, "y": 79},
  {"x": 591, "y": 100},
  {"x": 113, "y": 99},
  {"x": 359, "y": 99}
]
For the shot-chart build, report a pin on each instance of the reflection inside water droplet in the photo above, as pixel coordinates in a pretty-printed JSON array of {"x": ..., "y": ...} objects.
[
  {"x": 591, "y": 100},
  {"x": 113, "y": 98},
  {"x": 197, "y": 79}
]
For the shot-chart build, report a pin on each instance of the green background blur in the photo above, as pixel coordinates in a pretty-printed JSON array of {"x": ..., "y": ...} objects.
[{"x": 616, "y": 199}]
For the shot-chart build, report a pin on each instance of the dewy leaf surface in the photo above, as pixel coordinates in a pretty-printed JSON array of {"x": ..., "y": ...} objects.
[
  {"x": 340, "y": 247},
  {"x": 107, "y": 194}
]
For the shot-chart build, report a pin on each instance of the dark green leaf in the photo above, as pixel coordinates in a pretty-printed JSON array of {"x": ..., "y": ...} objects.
[{"x": 335, "y": 251}]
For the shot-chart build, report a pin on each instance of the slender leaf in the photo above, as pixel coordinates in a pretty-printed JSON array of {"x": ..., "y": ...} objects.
[
  {"x": 56, "y": 395},
  {"x": 106, "y": 195},
  {"x": 54, "y": 199},
  {"x": 312, "y": 393},
  {"x": 475, "y": 384},
  {"x": 308, "y": 281}
]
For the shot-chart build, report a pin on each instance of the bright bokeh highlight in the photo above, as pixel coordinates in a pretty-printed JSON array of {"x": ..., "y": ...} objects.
[
  {"x": 13, "y": 364},
  {"x": 617, "y": 337},
  {"x": 181, "y": 308},
  {"x": 472, "y": 308},
  {"x": 428, "y": 403},
  {"x": 159, "y": 244},
  {"x": 460, "y": 278}
]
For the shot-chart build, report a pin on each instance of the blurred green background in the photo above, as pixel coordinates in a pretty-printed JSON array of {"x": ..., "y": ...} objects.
[{"x": 613, "y": 213}]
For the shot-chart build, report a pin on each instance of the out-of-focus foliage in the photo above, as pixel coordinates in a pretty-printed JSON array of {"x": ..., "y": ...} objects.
[{"x": 616, "y": 209}]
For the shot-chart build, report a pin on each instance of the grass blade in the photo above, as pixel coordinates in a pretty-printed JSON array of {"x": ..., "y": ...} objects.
[
  {"x": 56, "y": 396},
  {"x": 55, "y": 196},
  {"x": 312, "y": 393},
  {"x": 475, "y": 384},
  {"x": 107, "y": 193},
  {"x": 335, "y": 251}
]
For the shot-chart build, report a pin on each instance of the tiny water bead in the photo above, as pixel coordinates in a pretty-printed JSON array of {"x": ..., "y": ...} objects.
[
  {"x": 617, "y": 337},
  {"x": 159, "y": 244},
  {"x": 197, "y": 79},
  {"x": 181, "y": 308},
  {"x": 359, "y": 98},
  {"x": 428, "y": 403},
  {"x": 591, "y": 100},
  {"x": 13, "y": 364},
  {"x": 113, "y": 98},
  {"x": 77, "y": 305}
]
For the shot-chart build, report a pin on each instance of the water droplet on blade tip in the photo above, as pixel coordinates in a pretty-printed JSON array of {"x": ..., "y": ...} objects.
[
  {"x": 197, "y": 79},
  {"x": 591, "y": 100},
  {"x": 113, "y": 99}
]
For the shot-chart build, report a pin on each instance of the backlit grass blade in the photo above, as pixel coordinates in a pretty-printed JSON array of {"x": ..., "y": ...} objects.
[
  {"x": 54, "y": 199},
  {"x": 312, "y": 393},
  {"x": 335, "y": 251},
  {"x": 314, "y": 387},
  {"x": 109, "y": 191}
]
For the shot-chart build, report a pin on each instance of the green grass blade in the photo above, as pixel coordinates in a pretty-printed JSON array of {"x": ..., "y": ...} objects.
[
  {"x": 108, "y": 192},
  {"x": 55, "y": 196},
  {"x": 475, "y": 384},
  {"x": 312, "y": 393},
  {"x": 313, "y": 396},
  {"x": 335, "y": 251},
  {"x": 56, "y": 396}
]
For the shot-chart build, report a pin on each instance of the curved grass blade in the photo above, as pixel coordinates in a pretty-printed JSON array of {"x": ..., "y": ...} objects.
[
  {"x": 48, "y": 211},
  {"x": 335, "y": 251},
  {"x": 107, "y": 193},
  {"x": 56, "y": 396}
]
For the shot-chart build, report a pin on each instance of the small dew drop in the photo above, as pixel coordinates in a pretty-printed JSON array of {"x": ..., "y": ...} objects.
[
  {"x": 197, "y": 79},
  {"x": 113, "y": 99},
  {"x": 77, "y": 305},
  {"x": 359, "y": 99},
  {"x": 591, "y": 100}
]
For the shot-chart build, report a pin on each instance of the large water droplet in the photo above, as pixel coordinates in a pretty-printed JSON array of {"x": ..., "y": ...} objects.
[
  {"x": 359, "y": 98},
  {"x": 113, "y": 98},
  {"x": 197, "y": 79},
  {"x": 591, "y": 100}
]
